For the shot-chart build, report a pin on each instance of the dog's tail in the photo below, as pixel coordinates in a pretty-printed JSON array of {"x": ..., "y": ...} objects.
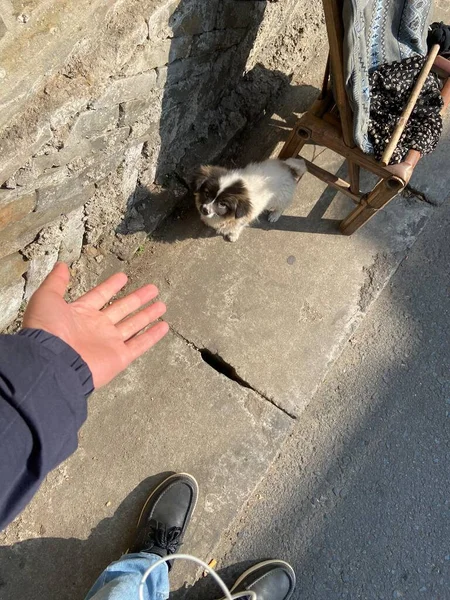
[{"x": 297, "y": 166}]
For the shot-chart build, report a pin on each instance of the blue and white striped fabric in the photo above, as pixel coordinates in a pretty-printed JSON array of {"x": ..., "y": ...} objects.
[{"x": 378, "y": 32}]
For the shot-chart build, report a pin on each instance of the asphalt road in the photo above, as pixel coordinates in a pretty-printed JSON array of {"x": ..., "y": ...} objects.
[{"x": 358, "y": 500}]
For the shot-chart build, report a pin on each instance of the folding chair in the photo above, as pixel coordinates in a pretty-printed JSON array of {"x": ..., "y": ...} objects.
[{"x": 329, "y": 123}]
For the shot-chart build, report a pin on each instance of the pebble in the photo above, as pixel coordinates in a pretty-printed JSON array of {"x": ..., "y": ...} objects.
[{"x": 291, "y": 260}]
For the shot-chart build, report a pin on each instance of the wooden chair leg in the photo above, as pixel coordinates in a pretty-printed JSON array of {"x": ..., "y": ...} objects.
[
  {"x": 294, "y": 143},
  {"x": 300, "y": 135},
  {"x": 353, "y": 173},
  {"x": 382, "y": 193}
]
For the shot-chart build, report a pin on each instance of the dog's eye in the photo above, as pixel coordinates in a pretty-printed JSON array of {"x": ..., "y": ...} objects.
[{"x": 206, "y": 194}]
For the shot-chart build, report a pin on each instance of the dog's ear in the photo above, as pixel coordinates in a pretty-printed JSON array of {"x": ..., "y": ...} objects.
[
  {"x": 238, "y": 194},
  {"x": 199, "y": 177},
  {"x": 243, "y": 207}
]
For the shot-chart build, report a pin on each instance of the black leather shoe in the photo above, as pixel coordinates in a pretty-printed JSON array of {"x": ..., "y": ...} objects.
[
  {"x": 166, "y": 515},
  {"x": 269, "y": 580}
]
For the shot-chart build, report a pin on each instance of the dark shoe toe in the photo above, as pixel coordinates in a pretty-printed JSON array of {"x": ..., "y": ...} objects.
[
  {"x": 174, "y": 502},
  {"x": 166, "y": 515},
  {"x": 270, "y": 580}
]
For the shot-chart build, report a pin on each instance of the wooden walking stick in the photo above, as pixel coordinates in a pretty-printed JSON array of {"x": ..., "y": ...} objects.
[{"x": 402, "y": 122}]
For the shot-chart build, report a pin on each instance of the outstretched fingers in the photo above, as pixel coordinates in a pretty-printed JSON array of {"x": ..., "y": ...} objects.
[
  {"x": 101, "y": 294},
  {"x": 120, "y": 309},
  {"x": 134, "y": 324},
  {"x": 139, "y": 344}
]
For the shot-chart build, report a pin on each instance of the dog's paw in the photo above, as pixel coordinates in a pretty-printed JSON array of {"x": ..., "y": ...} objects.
[
  {"x": 274, "y": 215},
  {"x": 231, "y": 237}
]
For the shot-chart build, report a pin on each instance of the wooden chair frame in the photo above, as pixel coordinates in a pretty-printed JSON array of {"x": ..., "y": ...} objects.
[{"x": 329, "y": 123}]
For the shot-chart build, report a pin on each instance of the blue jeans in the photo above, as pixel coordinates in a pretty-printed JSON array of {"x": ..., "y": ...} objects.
[{"x": 121, "y": 579}]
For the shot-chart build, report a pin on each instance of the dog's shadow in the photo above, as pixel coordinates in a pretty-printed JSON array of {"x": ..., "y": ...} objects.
[
  {"x": 184, "y": 222},
  {"x": 148, "y": 208}
]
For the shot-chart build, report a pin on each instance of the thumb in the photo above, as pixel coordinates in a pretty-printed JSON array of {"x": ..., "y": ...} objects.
[{"x": 57, "y": 280}]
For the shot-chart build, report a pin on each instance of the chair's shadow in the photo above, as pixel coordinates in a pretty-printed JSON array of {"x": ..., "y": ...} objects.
[
  {"x": 149, "y": 208},
  {"x": 314, "y": 222},
  {"x": 184, "y": 222}
]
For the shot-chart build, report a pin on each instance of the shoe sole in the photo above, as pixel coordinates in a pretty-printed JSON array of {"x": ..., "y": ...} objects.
[
  {"x": 163, "y": 483},
  {"x": 278, "y": 563}
]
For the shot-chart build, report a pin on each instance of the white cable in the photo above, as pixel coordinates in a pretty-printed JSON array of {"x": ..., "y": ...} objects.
[{"x": 249, "y": 594}]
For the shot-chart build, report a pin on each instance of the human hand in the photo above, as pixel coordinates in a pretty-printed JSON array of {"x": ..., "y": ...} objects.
[{"x": 106, "y": 337}]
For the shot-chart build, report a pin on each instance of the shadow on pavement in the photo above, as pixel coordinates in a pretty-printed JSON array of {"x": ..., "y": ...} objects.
[
  {"x": 67, "y": 568},
  {"x": 358, "y": 501}
]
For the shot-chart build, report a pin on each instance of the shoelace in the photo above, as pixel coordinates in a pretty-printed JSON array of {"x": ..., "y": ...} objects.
[{"x": 166, "y": 538}]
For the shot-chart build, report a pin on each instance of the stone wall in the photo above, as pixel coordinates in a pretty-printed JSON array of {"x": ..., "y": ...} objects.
[{"x": 106, "y": 106}]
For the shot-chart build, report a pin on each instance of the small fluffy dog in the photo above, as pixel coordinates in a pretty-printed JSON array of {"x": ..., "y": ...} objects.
[{"x": 229, "y": 200}]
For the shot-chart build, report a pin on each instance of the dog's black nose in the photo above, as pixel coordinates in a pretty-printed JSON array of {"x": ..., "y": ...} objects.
[{"x": 203, "y": 210}]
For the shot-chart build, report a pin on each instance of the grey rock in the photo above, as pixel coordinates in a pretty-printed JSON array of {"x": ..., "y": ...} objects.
[
  {"x": 131, "y": 171},
  {"x": 129, "y": 88},
  {"x": 12, "y": 267},
  {"x": 184, "y": 70},
  {"x": 10, "y": 301},
  {"x": 159, "y": 20},
  {"x": 94, "y": 122},
  {"x": 72, "y": 229},
  {"x": 132, "y": 111},
  {"x": 180, "y": 47},
  {"x": 60, "y": 158},
  {"x": 3, "y": 28},
  {"x": 19, "y": 234},
  {"x": 159, "y": 54},
  {"x": 178, "y": 92},
  {"x": 38, "y": 270},
  {"x": 238, "y": 14},
  {"x": 48, "y": 197},
  {"x": 149, "y": 57},
  {"x": 86, "y": 151},
  {"x": 109, "y": 141},
  {"x": 161, "y": 76},
  {"x": 192, "y": 17},
  {"x": 63, "y": 114},
  {"x": 216, "y": 40},
  {"x": 15, "y": 153},
  {"x": 15, "y": 207}
]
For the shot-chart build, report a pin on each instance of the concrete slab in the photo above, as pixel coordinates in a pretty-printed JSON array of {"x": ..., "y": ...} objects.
[
  {"x": 169, "y": 412},
  {"x": 279, "y": 304}
]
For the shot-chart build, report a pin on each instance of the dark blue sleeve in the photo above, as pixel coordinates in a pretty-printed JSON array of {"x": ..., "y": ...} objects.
[{"x": 44, "y": 386}]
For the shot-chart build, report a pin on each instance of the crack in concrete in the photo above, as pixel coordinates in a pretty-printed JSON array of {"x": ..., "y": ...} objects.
[
  {"x": 221, "y": 366},
  {"x": 377, "y": 275},
  {"x": 410, "y": 192}
]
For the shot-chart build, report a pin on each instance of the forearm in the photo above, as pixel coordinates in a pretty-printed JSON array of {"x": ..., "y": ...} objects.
[{"x": 44, "y": 385}]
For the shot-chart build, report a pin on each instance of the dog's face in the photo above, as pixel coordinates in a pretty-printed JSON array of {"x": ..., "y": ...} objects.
[{"x": 216, "y": 197}]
